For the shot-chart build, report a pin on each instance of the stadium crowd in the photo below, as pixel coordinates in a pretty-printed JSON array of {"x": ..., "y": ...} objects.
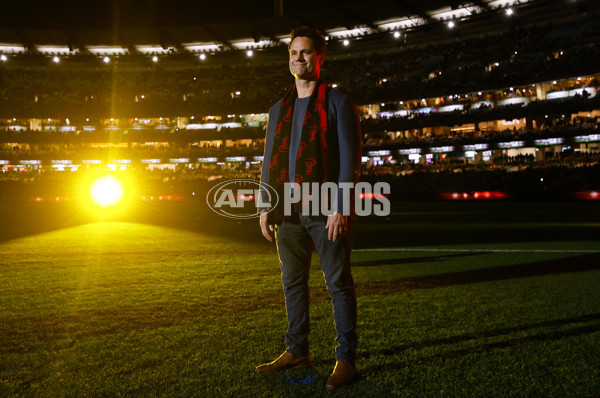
[{"x": 517, "y": 57}]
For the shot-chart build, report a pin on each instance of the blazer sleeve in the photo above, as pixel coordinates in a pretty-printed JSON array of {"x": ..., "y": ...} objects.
[{"x": 349, "y": 141}]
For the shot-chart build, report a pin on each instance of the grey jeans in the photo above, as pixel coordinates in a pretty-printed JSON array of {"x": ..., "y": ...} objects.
[{"x": 296, "y": 240}]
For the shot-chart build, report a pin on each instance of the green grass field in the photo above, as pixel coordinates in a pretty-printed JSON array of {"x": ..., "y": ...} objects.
[{"x": 472, "y": 299}]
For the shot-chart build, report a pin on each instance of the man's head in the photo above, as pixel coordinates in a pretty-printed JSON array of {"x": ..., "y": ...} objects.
[{"x": 307, "y": 53}]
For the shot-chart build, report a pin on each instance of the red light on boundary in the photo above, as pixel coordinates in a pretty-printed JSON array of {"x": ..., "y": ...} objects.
[
  {"x": 162, "y": 197},
  {"x": 587, "y": 195},
  {"x": 245, "y": 198},
  {"x": 371, "y": 195},
  {"x": 39, "y": 199},
  {"x": 476, "y": 195}
]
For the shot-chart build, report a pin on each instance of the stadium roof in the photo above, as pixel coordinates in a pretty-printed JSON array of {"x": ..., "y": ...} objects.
[{"x": 207, "y": 26}]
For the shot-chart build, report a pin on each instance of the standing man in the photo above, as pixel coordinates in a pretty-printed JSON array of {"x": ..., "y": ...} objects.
[{"x": 313, "y": 136}]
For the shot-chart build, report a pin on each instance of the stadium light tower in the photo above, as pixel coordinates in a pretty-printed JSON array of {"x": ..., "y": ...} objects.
[{"x": 106, "y": 191}]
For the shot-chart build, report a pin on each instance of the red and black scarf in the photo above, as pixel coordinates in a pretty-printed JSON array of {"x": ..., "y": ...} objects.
[{"x": 311, "y": 162}]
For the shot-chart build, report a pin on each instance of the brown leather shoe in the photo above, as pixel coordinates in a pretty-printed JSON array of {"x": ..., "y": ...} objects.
[
  {"x": 343, "y": 374},
  {"x": 285, "y": 361}
]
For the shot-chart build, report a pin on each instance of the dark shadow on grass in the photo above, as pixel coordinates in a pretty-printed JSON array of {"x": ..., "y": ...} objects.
[
  {"x": 587, "y": 262},
  {"x": 493, "y": 333},
  {"x": 541, "y": 336}
]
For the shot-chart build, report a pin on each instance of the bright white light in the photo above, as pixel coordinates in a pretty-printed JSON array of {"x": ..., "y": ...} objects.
[
  {"x": 249, "y": 53},
  {"x": 106, "y": 59},
  {"x": 334, "y": 85},
  {"x": 396, "y": 34},
  {"x": 202, "y": 56},
  {"x": 55, "y": 59},
  {"x": 554, "y": 82},
  {"x": 451, "y": 24},
  {"x": 509, "y": 11},
  {"x": 155, "y": 59},
  {"x": 3, "y": 58},
  {"x": 346, "y": 42},
  {"x": 106, "y": 191}
]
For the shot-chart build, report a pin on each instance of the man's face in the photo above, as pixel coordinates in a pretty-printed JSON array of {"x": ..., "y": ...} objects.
[{"x": 305, "y": 64}]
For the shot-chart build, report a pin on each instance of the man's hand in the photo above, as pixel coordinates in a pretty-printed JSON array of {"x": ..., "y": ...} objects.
[
  {"x": 337, "y": 226},
  {"x": 267, "y": 229}
]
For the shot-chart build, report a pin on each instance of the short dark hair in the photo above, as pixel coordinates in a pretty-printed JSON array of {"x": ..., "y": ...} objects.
[{"x": 304, "y": 31}]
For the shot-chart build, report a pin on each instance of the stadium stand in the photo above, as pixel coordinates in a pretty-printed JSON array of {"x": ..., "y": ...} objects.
[{"x": 492, "y": 111}]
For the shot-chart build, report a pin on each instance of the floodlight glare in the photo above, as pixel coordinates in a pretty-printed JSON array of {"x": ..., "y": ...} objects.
[{"x": 106, "y": 191}]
